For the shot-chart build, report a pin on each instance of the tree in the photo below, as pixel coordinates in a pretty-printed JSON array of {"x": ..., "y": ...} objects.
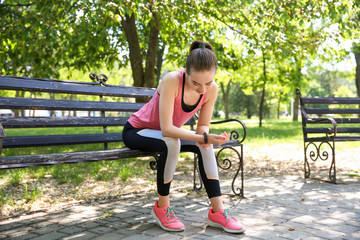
[
  {"x": 31, "y": 42},
  {"x": 356, "y": 49}
]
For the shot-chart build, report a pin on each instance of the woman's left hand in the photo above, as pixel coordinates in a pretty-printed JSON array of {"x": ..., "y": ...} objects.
[{"x": 205, "y": 146}]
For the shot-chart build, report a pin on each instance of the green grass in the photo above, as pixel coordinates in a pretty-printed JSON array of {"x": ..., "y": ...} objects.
[{"x": 275, "y": 131}]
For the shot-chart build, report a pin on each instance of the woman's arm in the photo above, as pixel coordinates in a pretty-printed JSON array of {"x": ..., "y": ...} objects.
[
  {"x": 206, "y": 115},
  {"x": 168, "y": 92}
]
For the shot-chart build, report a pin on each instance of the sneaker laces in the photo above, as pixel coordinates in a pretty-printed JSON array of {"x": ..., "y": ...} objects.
[
  {"x": 228, "y": 215},
  {"x": 170, "y": 215}
]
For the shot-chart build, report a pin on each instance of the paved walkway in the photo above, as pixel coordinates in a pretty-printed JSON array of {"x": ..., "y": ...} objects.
[{"x": 275, "y": 208}]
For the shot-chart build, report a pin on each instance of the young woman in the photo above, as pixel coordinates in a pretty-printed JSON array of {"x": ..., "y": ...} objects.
[{"x": 157, "y": 127}]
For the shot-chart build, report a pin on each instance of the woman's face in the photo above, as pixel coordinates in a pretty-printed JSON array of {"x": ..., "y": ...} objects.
[{"x": 200, "y": 82}]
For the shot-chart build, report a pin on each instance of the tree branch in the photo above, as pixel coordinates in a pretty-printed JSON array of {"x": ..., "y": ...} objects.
[{"x": 18, "y": 5}]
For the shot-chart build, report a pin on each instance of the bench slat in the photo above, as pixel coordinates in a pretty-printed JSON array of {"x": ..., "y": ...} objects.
[
  {"x": 50, "y": 104},
  {"x": 330, "y": 100},
  {"x": 332, "y": 111},
  {"x": 71, "y": 87},
  {"x": 39, "y": 122},
  {"x": 339, "y": 130},
  {"x": 76, "y": 157},
  {"x": 72, "y": 157},
  {"x": 50, "y": 140},
  {"x": 337, "y": 120},
  {"x": 337, "y": 139}
]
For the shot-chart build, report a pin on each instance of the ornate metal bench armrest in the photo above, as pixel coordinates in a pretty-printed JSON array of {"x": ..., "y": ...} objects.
[
  {"x": 234, "y": 134},
  {"x": 329, "y": 131},
  {"x": 2, "y": 135}
]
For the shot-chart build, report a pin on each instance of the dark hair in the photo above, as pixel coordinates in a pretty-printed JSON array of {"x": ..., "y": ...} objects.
[{"x": 201, "y": 57}]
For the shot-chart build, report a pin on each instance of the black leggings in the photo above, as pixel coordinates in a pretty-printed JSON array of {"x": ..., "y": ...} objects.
[{"x": 169, "y": 148}]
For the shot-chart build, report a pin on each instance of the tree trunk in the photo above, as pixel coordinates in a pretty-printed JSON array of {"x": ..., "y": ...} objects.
[
  {"x": 129, "y": 27},
  {"x": 159, "y": 63},
  {"x": 75, "y": 112},
  {"x": 263, "y": 92},
  {"x": 278, "y": 107},
  {"x": 149, "y": 75},
  {"x": 357, "y": 75},
  {"x": 357, "y": 71},
  {"x": 297, "y": 100},
  {"x": 225, "y": 97},
  {"x": 296, "y": 108},
  {"x": 52, "y": 112},
  {"x": 16, "y": 111}
]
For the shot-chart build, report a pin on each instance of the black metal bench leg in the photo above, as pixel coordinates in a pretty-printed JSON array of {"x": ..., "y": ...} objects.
[
  {"x": 154, "y": 163},
  {"x": 332, "y": 171},
  {"x": 306, "y": 162},
  {"x": 323, "y": 155},
  {"x": 197, "y": 186},
  {"x": 2, "y": 135},
  {"x": 226, "y": 164}
]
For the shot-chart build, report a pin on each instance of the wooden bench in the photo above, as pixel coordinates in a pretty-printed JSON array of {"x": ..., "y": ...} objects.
[
  {"x": 326, "y": 120},
  {"x": 101, "y": 106}
]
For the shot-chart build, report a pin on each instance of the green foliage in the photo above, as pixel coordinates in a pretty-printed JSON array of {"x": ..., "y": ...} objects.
[
  {"x": 16, "y": 175},
  {"x": 35, "y": 193},
  {"x": 5, "y": 198},
  {"x": 325, "y": 83},
  {"x": 67, "y": 174}
]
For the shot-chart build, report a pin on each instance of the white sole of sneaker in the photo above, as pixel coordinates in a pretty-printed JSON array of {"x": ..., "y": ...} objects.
[
  {"x": 165, "y": 228},
  {"x": 218, "y": 225}
]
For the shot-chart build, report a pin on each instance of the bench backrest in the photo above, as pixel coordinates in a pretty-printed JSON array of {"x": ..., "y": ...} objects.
[
  {"x": 344, "y": 112},
  {"x": 92, "y": 104}
]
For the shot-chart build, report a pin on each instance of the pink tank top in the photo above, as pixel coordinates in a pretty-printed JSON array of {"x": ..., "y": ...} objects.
[{"x": 148, "y": 115}]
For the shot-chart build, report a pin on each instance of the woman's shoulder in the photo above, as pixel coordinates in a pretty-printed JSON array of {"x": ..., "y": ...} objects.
[
  {"x": 174, "y": 75},
  {"x": 212, "y": 92},
  {"x": 170, "y": 80}
]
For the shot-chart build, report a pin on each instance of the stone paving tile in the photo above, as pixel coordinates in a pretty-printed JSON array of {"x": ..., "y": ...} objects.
[
  {"x": 330, "y": 234},
  {"x": 9, "y": 226},
  {"x": 71, "y": 230},
  {"x": 50, "y": 236},
  {"x": 101, "y": 230},
  {"x": 296, "y": 234},
  {"x": 110, "y": 236},
  {"x": 23, "y": 237},
  {"x": 353, "y": 236},
  {"x": 89, "y": 225},
  {"x": 80, "y": 236},
  {"x": 48, "y": 229},
  {"x": 167, "y": 236},
  {"x": 17, "y": 231}
]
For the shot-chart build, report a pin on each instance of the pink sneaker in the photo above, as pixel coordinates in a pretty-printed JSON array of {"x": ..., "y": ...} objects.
[
  {"x": 223, "y": 219},
  {"x": 166, "y": 218}
]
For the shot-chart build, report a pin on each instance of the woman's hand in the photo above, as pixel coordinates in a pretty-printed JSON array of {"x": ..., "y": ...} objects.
[
  {"x": 214, "y": 139},
  {"x": 205, "y": 146},
  {"x": 218, "y": 139}
]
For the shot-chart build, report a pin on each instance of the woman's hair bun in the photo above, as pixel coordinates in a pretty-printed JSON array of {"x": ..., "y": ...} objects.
[{"x": 200, "y": 44}]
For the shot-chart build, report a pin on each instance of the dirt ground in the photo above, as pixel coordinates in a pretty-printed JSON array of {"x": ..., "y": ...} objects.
[{"x": 270, "y": 160}]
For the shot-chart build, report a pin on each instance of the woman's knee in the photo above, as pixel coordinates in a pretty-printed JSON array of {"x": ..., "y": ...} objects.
[{"x": 173, "y": 144}]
